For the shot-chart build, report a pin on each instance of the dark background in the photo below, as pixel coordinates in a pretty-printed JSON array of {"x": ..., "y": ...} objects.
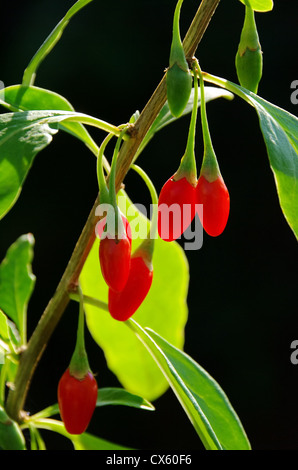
[{"x": 243, "y": 288}]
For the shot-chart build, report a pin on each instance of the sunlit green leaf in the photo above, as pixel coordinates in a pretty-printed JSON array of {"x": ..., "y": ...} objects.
[
  {"x": 17, "y": 281},
  {"x": 11, "y": 436},
  {"x": 201, "y": 397},
  {"x": 259, "y": 5},
  {"x": 164, "y": 309},
  {"x": 280, "y": 133},
  {"x": 22, "y": 98},
  {"x": 106, "y": 397},
  {"x": 22, "y": 135},
  {"x": 50, "y": 42},
  {"x": 119, "y": 396},
  {"x": 83, "y": 441},
  {"x": 87, "y": 441}
]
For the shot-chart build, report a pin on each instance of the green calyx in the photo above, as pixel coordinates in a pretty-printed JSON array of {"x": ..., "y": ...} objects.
[
  {"x": 249, "y": 58},
  {"x": 79, "y": 364},
  {"x": 179, "y": 79},
  {"x": 188, "y": 167}
]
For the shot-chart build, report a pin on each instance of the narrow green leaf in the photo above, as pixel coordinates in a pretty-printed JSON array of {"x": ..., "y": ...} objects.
[
  {"x": 259, "y": 5},
  {"x": 17, "y": 281},
  {"x": 164, "y": 309},
  {"x": 21, "y": 98},
  {"x": 50, "y": 42},
  {"x": 106, "y": 396},
  {"x": 205, "y": 403},
  {"x": 87, "y": 441},
  {"x": 4, "y": 330},
  {"x": 280, "y": 133},
  {"x": 9, "y": 335},
  {"x": 119, "y": 396},
  {"x": 83, "y": 441}
]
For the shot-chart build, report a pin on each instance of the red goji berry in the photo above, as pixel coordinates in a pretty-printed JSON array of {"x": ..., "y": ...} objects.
[
  {"x": 77, "y": 401},
  {"x": 100, "y": 226},
  {"x": 114, "y": 257},
  {"x": 122, "y": 305},
  {"x": 216, "y": 204},
  {"x": 176, "y": 208}
]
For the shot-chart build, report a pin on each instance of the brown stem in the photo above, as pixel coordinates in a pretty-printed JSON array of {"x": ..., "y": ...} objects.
[{"x": 58, "y": 303}]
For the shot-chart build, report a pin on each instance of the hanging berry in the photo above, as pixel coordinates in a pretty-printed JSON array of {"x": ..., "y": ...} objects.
[
  {"x": 178, "y": 78},
  {"x": 77, "y": 388},
  {"x": 216, "y": 204},
  {"x": 77, "y": 401},
  {"x": 122, "y": 305},
  {"x": 115, "y": 244},
  {"x": 177, "y": 199},
  {"x": 249, "y": 58},
  {"x": 100, "y": 227},
  {"x": 211, "y": 190}
]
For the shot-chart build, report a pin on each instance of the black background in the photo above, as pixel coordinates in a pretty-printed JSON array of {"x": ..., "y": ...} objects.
[{"x": 243, "y": 288}]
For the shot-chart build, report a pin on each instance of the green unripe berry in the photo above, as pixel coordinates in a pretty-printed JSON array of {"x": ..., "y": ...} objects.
[
  {"x": 179, "y": 84},
  {"x": 179, "y": 79},
  {"x": 249, "y": 58}
]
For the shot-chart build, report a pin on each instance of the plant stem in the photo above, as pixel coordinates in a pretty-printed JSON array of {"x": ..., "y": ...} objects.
[{"x": 69, "y": 281}]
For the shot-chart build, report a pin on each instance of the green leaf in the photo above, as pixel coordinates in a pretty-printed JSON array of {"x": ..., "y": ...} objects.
[
  {"x": 22, "y": 136},
  {"x": 87, "y": 441},
  {"x": 259, "y": 5},
  {"x": 50, "y": 42},
  {"x": 280, "y": 133},
  {"x": 4, "y": 331},
  {"x": 11, "y": 436},
  {"x": 23, "y": 98},
  {"x": 83, "y": 441},
  {"x": 17, "y": 281},
  {"x": 9, "y": 335},
  {"x": 119, "y": 396},
  {"x": 201, "y": 397},
  {"x": 165, "y": 116},
  {"x": 164, "y": 309},
  {"x": 106, "y": 396}
]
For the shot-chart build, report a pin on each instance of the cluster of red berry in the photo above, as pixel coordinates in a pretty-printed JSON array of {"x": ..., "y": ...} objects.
[{"x": 129, "y": 275}]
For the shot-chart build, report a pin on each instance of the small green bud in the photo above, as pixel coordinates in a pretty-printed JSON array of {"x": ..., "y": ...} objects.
[
  {"x": 249, "y": 58},
  {"x": 179, "y": 79}
]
